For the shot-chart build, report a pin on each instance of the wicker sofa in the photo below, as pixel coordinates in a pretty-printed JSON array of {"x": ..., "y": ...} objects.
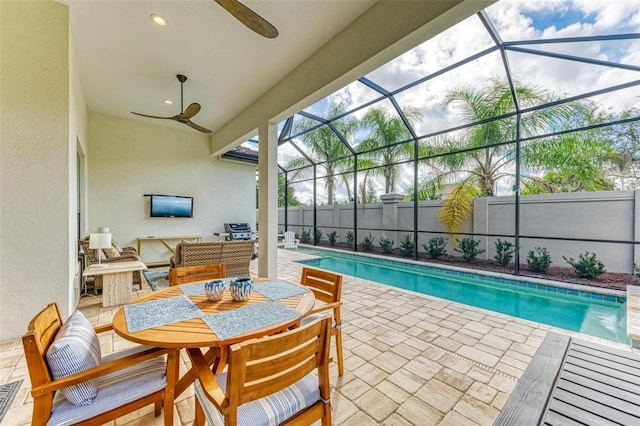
[
  {"x": 125, "y": 254},
  {"x": 235, "y": 255}
]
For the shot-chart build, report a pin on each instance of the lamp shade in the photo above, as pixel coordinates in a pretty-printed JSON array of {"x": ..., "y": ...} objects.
[{"x": 99, "y": 241}]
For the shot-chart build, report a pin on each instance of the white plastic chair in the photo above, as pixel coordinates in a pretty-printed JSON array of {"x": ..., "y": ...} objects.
[{"x": 290, "y": 240}]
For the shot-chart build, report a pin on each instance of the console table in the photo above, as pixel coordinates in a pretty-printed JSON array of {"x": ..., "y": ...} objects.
[
  {"x": 117, "y": 280},
  {"x": 164, "y": 241}
]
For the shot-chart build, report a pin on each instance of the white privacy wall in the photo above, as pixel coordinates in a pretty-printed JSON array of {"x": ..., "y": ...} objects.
[
  {"x": 130, "y": 158},
  {"x": 604, "y": 215}
]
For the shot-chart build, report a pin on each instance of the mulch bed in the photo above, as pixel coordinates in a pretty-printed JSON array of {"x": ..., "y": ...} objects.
[{"x": 611, "y": 280}]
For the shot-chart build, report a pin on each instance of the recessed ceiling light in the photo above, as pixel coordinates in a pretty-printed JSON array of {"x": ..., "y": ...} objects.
[
  {"x": 159, "y": 20},
  {"x": 168, "y": 101}
]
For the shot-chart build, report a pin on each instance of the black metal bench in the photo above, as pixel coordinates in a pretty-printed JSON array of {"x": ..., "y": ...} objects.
[{"x": 574, "y": 382}]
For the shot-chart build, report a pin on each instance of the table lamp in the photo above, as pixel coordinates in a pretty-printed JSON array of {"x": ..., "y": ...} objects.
[{"x": 99, "y": 241}]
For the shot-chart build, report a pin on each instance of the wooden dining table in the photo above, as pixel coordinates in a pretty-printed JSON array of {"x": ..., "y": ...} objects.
[{"x": 182, "y": 317}]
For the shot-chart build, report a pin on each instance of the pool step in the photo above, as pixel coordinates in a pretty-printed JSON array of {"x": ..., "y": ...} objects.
[{"x": 633, "y": 315}]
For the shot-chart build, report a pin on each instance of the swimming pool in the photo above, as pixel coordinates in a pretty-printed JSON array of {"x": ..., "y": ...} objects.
[{"x": 594, "y": 314}]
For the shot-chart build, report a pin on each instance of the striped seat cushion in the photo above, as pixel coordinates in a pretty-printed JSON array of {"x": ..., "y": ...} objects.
[
  {"x": 268, "y": 411},
  {"x": 311, "y": 318},
  {"x": 76, "y": 348},
  {"x": 114, "y": 389}
]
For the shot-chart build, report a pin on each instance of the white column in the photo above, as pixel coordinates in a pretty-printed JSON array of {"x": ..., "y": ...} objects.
[{"x": 268, "y": 200}]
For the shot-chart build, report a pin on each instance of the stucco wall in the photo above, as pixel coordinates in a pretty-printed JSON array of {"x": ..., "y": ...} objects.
[
  {"x": 130, "y": 158},
  {"x": 606, "y": 215},
  {"x": 35, "y": 250}
]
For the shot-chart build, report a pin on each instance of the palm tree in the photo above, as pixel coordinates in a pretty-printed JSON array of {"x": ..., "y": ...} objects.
[
  {"x": 480, "y": 166},
  {"x": 385, "y": 129},
  {"x": 325, "y": 148}
]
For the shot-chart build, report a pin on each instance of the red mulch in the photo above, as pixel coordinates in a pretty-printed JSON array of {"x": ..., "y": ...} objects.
[{"x": 611, "y": 280}]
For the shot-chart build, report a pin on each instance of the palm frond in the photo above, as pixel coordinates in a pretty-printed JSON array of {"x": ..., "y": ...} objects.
[{"x": 458, "y": 206}]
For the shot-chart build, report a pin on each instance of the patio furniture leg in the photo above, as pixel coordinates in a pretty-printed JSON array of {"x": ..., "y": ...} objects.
[
  {"x": 199, "y": 419},
  {"x": 173, "y": 367},
  {"x": 339, "y": 352}
]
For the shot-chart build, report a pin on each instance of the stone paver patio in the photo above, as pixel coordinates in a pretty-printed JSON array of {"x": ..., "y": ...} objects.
[{"x": 410, "y": 359}]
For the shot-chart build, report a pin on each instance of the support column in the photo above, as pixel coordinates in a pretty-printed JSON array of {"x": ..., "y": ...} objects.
[
  {"x": 390, "y": 215},
  {"x": 481, "y": 223},
  {"x": 636, "y": 226},
  {"x": 268, "y": 200}
]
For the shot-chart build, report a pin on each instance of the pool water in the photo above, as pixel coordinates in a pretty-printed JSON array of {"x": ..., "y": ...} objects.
[{"x": 599, "y": 318}]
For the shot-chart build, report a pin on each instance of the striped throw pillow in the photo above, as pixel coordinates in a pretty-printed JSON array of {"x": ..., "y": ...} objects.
[{"x": 76, "y": 348}]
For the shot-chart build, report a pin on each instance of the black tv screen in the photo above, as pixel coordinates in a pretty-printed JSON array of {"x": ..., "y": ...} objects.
[{"x": 171, "y": 206}]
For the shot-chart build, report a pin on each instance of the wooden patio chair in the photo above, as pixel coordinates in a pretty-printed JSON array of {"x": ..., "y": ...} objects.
[
  {"x": 188, "y": 274},
  {"x": 327, "y": 288},
  {"x": 271, "y": 378},
  {"x": 73, "y": 384}
]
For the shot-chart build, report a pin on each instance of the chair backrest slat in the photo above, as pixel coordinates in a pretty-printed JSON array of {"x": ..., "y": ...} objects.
[
  {"x": 262, "y": 366},
  {"x": 326, "y": 286},
  {"x": 41, "y": 332}
]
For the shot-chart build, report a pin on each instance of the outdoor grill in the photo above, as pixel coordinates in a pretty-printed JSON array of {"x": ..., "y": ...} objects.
[{"x": 238, "y": 231}]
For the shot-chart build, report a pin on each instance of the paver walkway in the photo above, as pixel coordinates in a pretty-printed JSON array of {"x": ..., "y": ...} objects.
[{"x": 410, "y": 359}]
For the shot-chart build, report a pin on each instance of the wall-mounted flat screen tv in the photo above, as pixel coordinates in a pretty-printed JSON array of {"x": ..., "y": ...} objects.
[{"x": 171, "y": 206}]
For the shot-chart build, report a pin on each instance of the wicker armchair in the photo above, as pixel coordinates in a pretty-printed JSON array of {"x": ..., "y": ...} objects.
[{"x": 127, "y": 254}]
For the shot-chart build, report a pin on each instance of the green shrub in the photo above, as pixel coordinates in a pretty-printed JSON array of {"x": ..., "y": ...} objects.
[
  {"x": 349, "y": 238},
  {"x": 504, "y": 252},
  {"x": 318, "y": 235},
  {"x": 407, "y": 247},
  {"x": 436, "y": 247},
  {"x": 305, "y": 237},
  {"x": 540, "y": 260},
  {"x": 469, "y": 248},
  {"x": 386, "y": 244},
  {"x": 332, "y": 236},
  {"x": 367, "y": 242},
  {"x": 587, "y": 265}
]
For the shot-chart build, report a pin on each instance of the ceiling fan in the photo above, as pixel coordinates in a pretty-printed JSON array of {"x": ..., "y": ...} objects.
[
  {"x": 185, "y": 115},
  {"x": 249, "y": 18}
]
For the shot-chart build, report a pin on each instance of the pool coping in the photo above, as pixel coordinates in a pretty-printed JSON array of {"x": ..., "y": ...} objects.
[{"x": 617, "y": 294}]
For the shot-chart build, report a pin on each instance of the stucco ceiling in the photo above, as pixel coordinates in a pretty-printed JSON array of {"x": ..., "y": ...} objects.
[{"x": 127, "y": 63}]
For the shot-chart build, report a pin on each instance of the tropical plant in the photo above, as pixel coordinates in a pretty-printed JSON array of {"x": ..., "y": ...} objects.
[
  {"x": 332, "y": 236},
  {"x": 477, "y": 160},
  {"x": 428, "y": 189},
  {"x": 539, "y": 260},
  {"x": 587, "y": 266},
  {"x": 458, "y": 206},
  {"x": 305, "y": 237},
  {"x": 369, "y": 195},
  {"x": 348, "y": 239},
  {"x": 625, "y": 140},
  {"x": 367, "y": 242},
  {"x": 292, "y": 200},
  {"x": 317, "y": 235},
  {"x": 469, "y": 248},
  {"x": 407, "y": 246},
  {"x": 504, "y": 252},
  {"x": 386, "y": 244},
  {"x": 325, "y": 147},
  {"x": 435, "y": 247},
  {"x": 385, "y": 129}
]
